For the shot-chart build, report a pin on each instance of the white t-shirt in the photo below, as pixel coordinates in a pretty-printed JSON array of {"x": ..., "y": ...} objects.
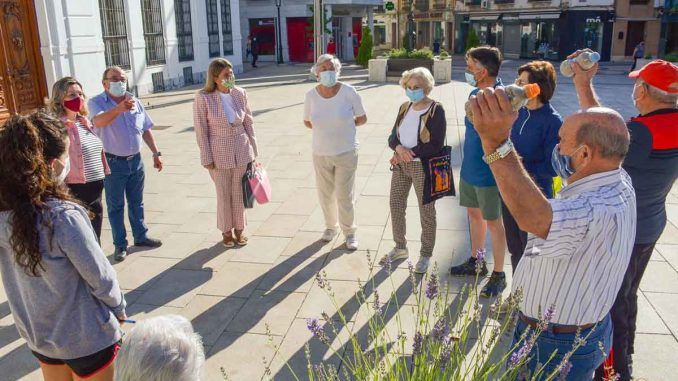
[
  {"x": 409, "y": 127},
  {"x": 229, "y": 106},
  {"x": 334, "y": 129}
]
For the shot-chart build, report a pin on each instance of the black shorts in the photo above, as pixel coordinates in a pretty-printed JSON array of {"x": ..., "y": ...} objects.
[{"x": 85, "y": 366}]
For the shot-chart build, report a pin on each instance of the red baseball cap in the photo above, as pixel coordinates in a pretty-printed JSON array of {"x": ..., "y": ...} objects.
[{"x": 660, "y": 74}]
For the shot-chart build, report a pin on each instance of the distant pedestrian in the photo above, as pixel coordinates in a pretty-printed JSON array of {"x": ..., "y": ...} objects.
[
  {"x": 88, "y": 165},
  {"x": 418, "y": 133},
  {"x": 248, "y": 51},
  {"x": 161, "y": 348},
  {"x": 638, "y": 52},
  {"x": 121, "y": 122},
  {"x": 534, "y": 136},
  {"x": 223, "y": 126},
  {"x": 254, "y": 51},
  {"x": 332, "y": 47},
  {"x": 436, "y": 47},
  {"x": 333, "y": 110},
  {"x": 63, "y": 293}
]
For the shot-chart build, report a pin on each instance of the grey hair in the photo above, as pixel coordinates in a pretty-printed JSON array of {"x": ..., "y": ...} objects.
[
  {"x": 605, "y": 130},
  {"x": 324, "y": 58},
  {"x": 162, "y": 348},
  {"x": 111, "y": 68},
  {"x": 660, "y": 95},
  {"x": 423, "y": 75}
]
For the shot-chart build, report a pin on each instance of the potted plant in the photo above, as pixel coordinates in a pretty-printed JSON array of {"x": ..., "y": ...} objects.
[{"x": 400, "y": 60}]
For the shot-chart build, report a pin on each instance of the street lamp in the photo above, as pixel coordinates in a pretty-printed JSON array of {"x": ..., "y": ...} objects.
[{"x": 278, "y": 3}]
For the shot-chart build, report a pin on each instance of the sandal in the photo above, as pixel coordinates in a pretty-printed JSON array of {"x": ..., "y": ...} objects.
[
  {"x": 240, "y": 239},
  {"x": 228, "y": 239}
]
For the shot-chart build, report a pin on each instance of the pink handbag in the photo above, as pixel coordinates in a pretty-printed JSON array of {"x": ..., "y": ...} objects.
[{"x": 261, "y": 186}]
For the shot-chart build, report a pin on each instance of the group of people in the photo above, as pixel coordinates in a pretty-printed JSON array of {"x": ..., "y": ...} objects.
[{"x": 580, "y": 256}]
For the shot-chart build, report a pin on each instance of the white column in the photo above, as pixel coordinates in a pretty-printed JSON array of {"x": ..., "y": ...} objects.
[
  {"x": 348, "y": 36},
  {"x": 328, "y": 16},
  {"x": 137, "y": 48},
  {"x": 236, "y": 57},
  {"x": 370, "y": 19},
  {"x": 201, "y": 56}
]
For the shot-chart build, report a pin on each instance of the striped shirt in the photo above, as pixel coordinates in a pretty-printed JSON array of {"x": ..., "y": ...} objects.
[
  {"x": 580, "y": 265},
  {"x": 91, "y": 154}
]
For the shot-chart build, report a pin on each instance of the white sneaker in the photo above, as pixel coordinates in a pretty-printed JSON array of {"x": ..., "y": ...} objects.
[
  {"x": 329, "y": 235},
  {"x": 422, "y": 265},
  {"x": 352, "y": 242},
  {"x": 394, "y": 255}
]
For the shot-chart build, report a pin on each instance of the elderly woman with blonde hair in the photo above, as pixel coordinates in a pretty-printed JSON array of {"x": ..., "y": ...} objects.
[
  {"x": 418, "y": 133},
  {"x": 332, "y": 110},
  {"x": 162, "y": 348}
]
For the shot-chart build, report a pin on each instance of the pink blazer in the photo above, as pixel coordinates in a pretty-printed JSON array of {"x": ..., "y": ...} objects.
[
  {"x": 221, "y": 143},
  {"x": 77, "y": 173}
]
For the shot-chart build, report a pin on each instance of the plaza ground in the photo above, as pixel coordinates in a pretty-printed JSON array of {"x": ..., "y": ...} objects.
[{"x": 233, "y": 296}]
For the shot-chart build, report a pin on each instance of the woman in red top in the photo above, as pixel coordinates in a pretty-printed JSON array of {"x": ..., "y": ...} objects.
[{"x": 87, "y": 164}]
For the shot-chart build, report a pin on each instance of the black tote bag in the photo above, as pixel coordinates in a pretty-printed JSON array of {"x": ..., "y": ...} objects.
[
  {"x": 438, "y": 176},
  {"x": 247, "y": 194}
]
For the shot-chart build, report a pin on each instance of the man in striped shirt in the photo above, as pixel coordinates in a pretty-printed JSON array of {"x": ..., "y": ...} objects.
[{"x": 579, "y": 244}]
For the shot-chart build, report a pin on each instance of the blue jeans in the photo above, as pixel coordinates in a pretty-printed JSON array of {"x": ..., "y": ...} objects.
[
  {"x": 585, "y": 359},
  {"x": 125, "y": 181}
]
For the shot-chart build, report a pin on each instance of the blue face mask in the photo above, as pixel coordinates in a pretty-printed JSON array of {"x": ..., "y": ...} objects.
[
  {"x": 470, "y": 78},
  {"x": 117, "y": 89},
  {"x": 328, "y": 78},
  {"x": 562, "y": 164},
  {"x": 415, "y": 95}
]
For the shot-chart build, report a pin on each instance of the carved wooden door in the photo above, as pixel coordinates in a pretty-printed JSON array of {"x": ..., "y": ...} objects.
[{"x": 22, "y": 79}]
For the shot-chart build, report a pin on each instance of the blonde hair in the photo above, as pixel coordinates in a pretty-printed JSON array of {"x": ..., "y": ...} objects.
[
  {"x": 423, "y": 75},
  {"x": 213, "y": 71},
  {"x": 59, "y": 90}
]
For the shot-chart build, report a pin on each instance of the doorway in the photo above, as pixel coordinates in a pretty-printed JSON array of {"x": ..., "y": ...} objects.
[
  {"x": 634, "y": 35},
  {"x": 300, "y": 39},
  {"x": 22, "y": 79}
]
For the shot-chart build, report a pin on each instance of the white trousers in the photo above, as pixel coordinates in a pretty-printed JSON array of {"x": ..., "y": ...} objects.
[{"x": 335, "y": 180}]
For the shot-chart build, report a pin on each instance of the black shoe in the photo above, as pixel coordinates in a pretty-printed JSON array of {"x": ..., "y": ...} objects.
[
  {"x": 149, "y": 242},
  {"x": 495, "y": 285},
  {"x": 469, "y": 268},
  {"x": 120, "y": 254}
]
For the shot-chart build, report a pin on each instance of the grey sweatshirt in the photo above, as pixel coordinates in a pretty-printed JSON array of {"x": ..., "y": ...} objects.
[{"x": 70, "y": 310}]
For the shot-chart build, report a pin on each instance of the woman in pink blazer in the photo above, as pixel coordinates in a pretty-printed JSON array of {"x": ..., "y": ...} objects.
[{"x": 223, "y": 127}]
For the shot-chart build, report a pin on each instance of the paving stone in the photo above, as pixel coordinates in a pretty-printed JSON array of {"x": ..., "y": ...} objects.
[
  {"x": 260, "y": 249},
  {"x": 236, "y": 279},
  {"x": 176, "y": 287},
  {"x": 144, "y": 272},
  {"x": 292, "y": 274},
  {"x": 663, "y": 278},
  {"x": 210, "y": 315},
  {"x": 281, "y": 225},
  {"x": 318, "y": 301},
  {"x": 655, "y": 357},
  {"x": 243, "y": 356},
  {"x": 272, "y": 309},
  {"x": 666, "y": 306},
  {"x": 307, "y": 244}
]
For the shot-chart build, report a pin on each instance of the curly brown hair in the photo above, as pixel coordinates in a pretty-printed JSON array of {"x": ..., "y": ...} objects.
[
  {"x": 28, "y": 143},
  {"x": 544, "y": 74}
]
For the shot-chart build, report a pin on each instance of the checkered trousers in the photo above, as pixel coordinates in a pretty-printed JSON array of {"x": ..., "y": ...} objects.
[
  {"x": 221, "y": 143},
  {"x": 405, "y": 175},
  {"x": 230, "y": 207}
]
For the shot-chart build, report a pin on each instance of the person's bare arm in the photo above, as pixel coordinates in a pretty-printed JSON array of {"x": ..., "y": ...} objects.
[
  {"x": 308, "y": 124},
  {"x": 360, "y": 120},
  {"x": 150, "y": 142},
  {"x": 106, "y": 118},
  {"x": 583, "y": 82},
  {"x": 493, "y": 118}
]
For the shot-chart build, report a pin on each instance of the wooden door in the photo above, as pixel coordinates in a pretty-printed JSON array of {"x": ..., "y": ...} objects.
[
  {"x": 634, "y": 35},
  {"x": 22, "y": 79}
]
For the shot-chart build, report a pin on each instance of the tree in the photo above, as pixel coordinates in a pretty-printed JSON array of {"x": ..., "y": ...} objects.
[
  {"x": 365, "y": 50},
  {"x": 472, "y": 39}
]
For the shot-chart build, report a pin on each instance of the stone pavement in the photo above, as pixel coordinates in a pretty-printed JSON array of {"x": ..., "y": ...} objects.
[{"x": 233, "y": 297}]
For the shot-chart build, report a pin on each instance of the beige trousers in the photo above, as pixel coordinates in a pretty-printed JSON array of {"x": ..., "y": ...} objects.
[{"x": 335, "y": 180}]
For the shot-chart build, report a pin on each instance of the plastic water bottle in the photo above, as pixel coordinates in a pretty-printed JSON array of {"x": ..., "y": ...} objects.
[
  {"x": 517, "y": 95},
  {"x": 586, "y": 60}
]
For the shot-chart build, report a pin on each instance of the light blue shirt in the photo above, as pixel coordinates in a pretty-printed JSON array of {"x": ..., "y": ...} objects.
[{"x": 123, "y": 137}]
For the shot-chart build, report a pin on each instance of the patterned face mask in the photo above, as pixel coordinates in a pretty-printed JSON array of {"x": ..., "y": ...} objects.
[{"x": 229, "y": 82}]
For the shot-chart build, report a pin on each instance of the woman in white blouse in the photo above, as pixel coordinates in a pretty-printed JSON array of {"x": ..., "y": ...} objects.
[{"x": 333, "y": 109}]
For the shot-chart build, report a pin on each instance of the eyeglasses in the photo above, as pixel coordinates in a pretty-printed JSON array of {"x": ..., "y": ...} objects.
[{"x": 117, "y": 79}]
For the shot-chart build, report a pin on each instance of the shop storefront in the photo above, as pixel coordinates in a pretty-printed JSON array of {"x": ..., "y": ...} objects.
[{"x": 592, "y": 29}]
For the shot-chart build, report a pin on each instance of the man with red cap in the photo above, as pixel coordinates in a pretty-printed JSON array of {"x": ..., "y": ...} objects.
[{"x": 652, "y": 163}]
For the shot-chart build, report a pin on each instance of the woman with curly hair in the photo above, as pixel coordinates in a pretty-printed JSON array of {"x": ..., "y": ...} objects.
[{"x": 63, "y": 293}]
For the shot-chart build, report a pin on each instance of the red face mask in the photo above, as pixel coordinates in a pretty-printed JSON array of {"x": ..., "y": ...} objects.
[{"x": 74, "y": 104}]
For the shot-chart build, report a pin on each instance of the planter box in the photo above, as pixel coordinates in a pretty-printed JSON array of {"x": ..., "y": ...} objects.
[
  {"x": 442, "y": 70},
  {"x": 377, "y": 69},
  {"x": 396, "y": 66}
]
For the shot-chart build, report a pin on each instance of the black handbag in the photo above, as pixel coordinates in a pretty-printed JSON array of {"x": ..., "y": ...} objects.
[
  {"x": 247, "y": 194},
  {"x": 438, "y": 176}
]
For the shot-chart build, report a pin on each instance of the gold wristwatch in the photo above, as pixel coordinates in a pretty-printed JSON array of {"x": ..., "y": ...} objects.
[{"x": 499, "y": 153}]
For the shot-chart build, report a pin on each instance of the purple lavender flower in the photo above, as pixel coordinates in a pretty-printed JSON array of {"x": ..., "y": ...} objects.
[
  {"x": 377, "y": 303},
  {"x": 440, "y": 330},
  {"x": 521, "y": 353},
  {"x": 386, "y": 262},
  {"x": 432, "y": 287},
  {"x": 444, "y": 358},
  {"x": 318, "y": 330},
  {"x": 550, "y": 312},
  {"x": 563, "y": 370},
  {"x": 320, "y": 279},
  {"x": 418, "y": 343},
  {"x": 480, "y": 259}
]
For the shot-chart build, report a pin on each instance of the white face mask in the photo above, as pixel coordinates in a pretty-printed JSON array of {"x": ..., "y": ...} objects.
[
  {"x": 117, "y": 89},
  {"x": 64, "y": 172}
]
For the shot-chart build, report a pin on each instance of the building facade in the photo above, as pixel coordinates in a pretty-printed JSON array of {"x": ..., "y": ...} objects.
[
  {"x": 343, "y": 21},
  {"x": 161, "y": 44},
  {"x": 548, "y": 29},
  {"x": 636, "y": 21},
  {"x": 668, "y": 41}
]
